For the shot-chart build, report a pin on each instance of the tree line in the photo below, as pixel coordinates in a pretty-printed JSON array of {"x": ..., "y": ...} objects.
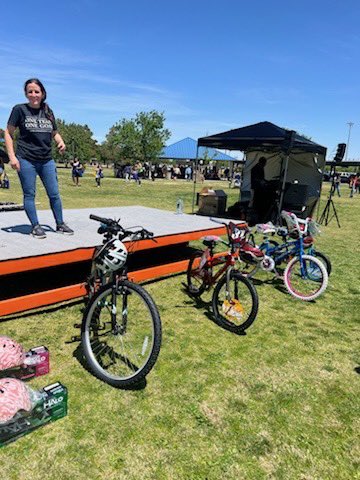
[{"x": 138, "y": 139}]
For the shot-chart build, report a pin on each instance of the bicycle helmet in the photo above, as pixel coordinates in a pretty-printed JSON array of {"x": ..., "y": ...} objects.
[
  {"x": 11, "y": 353},
  {"x": 14, "y": 396},
  {"x": 112, "y": 256}
]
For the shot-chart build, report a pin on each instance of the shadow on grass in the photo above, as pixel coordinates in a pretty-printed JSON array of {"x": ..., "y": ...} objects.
[
  {"x": 357, "y": 370},
  {"x": 79, "y": 356},
  {"x": 200, "y": 304}
]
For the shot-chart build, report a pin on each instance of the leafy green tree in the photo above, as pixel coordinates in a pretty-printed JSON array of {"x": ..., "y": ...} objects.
[
  {"x": 78, "y": 140},
  {"x": 152, "y": 135},
  {"x": 142, "y": 138},
  {"x": 123, "y": 140}
]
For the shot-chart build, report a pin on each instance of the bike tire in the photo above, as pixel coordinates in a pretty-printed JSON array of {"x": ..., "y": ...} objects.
[
  {"x": 196, "y": 275},
  {"x": 122, "y": 358},
  {"x": 312, "y": 285},
  {"x": 246, "y": 307},
  {"x": 324, "y": 258}
]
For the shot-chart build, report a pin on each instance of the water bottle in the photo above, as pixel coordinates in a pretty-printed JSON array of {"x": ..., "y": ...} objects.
[{"x": 179, "y": 206}]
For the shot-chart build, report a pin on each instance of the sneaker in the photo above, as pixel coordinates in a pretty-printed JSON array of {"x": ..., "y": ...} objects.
[
  {"x": 64, "y": 229},
  {"x": 38, "y": 232}
]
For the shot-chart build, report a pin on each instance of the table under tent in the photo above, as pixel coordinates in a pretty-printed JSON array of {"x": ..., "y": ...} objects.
[{"x": 293, "y": 171}]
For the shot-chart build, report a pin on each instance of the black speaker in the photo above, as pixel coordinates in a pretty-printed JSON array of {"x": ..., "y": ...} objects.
[
  {"x": 340, "y": 152},
  {"x": 296, "y": 194}
]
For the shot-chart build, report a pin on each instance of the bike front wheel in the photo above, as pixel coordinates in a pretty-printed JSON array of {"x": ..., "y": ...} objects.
[
  {"x": 121, "y": 334},
  {"x": 305, "y": 278},
  {"x": 235, "y": 302}
]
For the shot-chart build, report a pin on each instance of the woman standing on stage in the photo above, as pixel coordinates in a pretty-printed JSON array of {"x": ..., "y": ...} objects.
[{"x": 37, "y": 127}]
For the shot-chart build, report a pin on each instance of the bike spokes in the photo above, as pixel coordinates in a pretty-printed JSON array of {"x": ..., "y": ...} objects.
[{"x": 121, "y": 333}]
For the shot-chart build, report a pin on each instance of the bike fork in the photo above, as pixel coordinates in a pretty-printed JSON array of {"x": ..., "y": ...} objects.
[
  {"x": 119, "y": 328},
  {"x": 228, "y": 293}
]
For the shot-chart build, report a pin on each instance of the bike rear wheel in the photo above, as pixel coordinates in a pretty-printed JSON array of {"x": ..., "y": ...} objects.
[
  {"x": 305, "y": 278},
  {"x": 197, "y": 275},
  {"x": 235, "y": 309},
  {"x": 121, "y": 334}
]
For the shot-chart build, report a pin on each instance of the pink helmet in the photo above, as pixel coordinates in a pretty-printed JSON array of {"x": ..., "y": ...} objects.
[
  {"x": 14, "y": 396},
  {"x": 11, "y": 353}
]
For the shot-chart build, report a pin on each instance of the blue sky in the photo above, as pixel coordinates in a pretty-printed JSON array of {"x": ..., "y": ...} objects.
[{"x": 210, "y": 66}]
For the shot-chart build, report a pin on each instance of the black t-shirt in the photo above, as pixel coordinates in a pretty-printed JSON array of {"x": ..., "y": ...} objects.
[{"x": 34, "y": 141}]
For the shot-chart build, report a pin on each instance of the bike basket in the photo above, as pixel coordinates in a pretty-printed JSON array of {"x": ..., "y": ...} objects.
[
  {"x": 292, "y": 224},
  {"x": 313, "y": 228}
]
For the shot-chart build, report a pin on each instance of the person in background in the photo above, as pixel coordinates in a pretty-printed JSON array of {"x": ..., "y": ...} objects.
[
  {"x": 353, "y": 185},
  {"x": 188, "y": 173},
  {"x": 258, "y": 185},
  {"x": 337, "y": 184},
  {"x": 2, "y": 173},
  {"x": 98, "y": 174},
  {"x": 37, "y": 128},
  {"x": 357, "y": 183},
  {"x": 135, "y": 174},
  {"x": 76, "y": 171},
  {"x": 127, "y": 172}
]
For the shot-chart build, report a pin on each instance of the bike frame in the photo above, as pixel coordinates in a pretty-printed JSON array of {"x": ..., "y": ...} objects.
[
  {"x": 213, "y": 260},
  {"x": 293, "y": 248}
]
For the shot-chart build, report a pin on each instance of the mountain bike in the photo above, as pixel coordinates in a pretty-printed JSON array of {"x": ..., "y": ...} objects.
[
  {"x": 235, "y": 300},
  {"x": 121, "y": 326},
  {"x": 305, "y": 276}
]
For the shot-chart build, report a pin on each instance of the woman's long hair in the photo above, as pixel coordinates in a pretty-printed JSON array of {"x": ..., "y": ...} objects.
[{"x": 49, "y": 114}]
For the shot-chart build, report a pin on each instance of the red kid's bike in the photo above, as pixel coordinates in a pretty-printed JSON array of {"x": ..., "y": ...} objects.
[{"x": 235, "y": 301}]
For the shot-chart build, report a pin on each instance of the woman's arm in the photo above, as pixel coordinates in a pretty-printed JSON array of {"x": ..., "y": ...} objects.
[
  {"x": 59, "y": 141},
  {"x": 9, "y": 143}
]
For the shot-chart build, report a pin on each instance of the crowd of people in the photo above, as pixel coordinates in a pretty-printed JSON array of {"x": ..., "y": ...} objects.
[{"x": 139, "y": 171}]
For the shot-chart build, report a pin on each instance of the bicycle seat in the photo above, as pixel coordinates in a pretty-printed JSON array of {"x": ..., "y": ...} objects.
[
  {"x": 210, "y": 240},
  {"x": 254, "y": 252},
  {"x": 308, "y": 240}
]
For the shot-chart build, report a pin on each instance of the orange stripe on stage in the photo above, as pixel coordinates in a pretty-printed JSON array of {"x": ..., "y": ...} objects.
[
  {"x": 49, "y": 297},
  {"x": 41, "y": 299},
  {"x": 82, "y": 254},
  {"x": 43, "y": 261}
]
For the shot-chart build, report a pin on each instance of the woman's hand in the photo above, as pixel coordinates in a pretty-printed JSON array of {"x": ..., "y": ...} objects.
[
  {"x": 61, "y": 146},
  {"x": 59, "y": 142},
  {"x": 15, "y": 164}
]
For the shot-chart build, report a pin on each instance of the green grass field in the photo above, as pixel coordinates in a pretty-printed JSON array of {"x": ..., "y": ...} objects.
[{"x": 281, "y": 402}]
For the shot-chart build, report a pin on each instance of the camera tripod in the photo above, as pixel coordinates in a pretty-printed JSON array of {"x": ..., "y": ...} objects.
[{"x": 330, "y": 204}]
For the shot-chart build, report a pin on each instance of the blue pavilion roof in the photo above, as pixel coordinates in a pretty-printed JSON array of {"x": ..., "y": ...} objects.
[{"x": 186, "y": 150}]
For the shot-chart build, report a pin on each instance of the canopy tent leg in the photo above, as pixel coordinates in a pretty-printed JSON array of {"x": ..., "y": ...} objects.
[{"x": 194, "y": 180}]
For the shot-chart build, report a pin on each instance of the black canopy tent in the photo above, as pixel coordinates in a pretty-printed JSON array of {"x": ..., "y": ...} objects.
[
  {"x": 264, "y": 134},
  {"x": 292, "y": 158}
]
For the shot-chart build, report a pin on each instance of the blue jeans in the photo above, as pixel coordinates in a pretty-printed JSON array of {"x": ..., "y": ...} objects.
[{"x": 47, "y": 173}]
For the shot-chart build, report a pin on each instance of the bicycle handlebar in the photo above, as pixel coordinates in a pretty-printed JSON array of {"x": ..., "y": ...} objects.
[{"x": 116, "y": 228}]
